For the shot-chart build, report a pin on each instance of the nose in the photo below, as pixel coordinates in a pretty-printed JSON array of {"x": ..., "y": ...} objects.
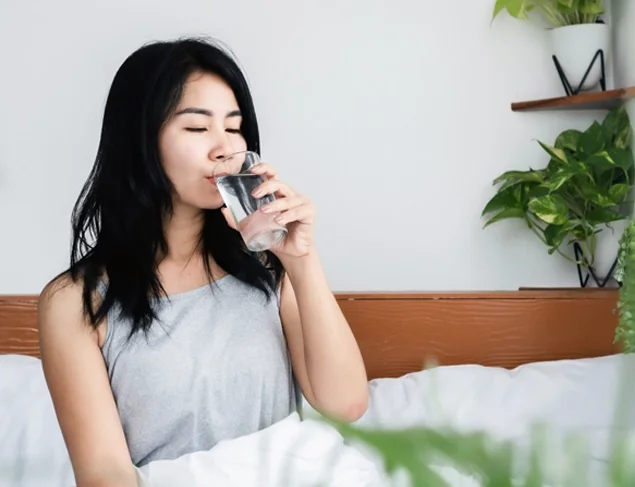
[{"x": 221, "y": 147}]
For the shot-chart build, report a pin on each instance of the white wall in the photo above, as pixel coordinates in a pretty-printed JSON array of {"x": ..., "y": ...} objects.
[
  {"x": 393, "y": 116},
  {"x": 624, "y": 39}
]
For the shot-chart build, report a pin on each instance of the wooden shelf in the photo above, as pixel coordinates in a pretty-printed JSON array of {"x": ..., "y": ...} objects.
[{"x": 599, "y": 100}]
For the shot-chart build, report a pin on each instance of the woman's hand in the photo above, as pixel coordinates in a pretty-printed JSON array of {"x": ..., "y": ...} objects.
[{"x": 295, "y": 211}]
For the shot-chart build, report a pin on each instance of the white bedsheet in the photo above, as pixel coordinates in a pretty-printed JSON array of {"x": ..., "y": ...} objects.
[
  {"x": 292, "y": 452},
  {"x": 571, "y": 396}
]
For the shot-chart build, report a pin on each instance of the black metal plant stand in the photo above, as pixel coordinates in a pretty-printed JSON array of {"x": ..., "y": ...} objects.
[
  {"x": 584, "y": 281},
  {"x": 599, "y": 55}
]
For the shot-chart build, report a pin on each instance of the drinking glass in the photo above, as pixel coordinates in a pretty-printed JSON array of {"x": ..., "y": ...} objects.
[{"x": 236, "y": 183}]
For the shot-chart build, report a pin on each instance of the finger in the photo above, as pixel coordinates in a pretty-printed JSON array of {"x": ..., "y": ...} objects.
[
  {"x": 273, "y": 186},
  {"x": 228, "y": 216},
  {"x": 265, "y": 170},
  {"x": 304, "y": 214},
  {"x": 283, "y": 204}
]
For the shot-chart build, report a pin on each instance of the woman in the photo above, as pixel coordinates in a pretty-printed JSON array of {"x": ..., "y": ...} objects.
[{"x": 166, "y": 335}]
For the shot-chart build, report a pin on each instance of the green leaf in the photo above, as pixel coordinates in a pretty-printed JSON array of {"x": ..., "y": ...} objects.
[
  {"x": 511, "y": 178},
  {"x": 506, "y": 214},
  {"x": 617, "y": 128},
  {"x": 517, "y": 8},
  {"x": 536, "y": 191},
  {"x": 581, "y": 232},
  {"x": 569, "y": 139},
  {"x": 499, "y": 6},
  {"x": 592, "y": 139},
  {"x": 618, "y": 193},
  {"x": 622, "y": 158},
  {"x": 555, "y": 234},
  {"x": 599, "y": 216},
  {"x": 591, "y": 7},
  {"x": 611, "y": 159},
  {"x": 601, "y": 162},
  {"x": 624, "y": 138},
  {"x": 594, "y": 194},
  {"x": 507, "y": 198},
  {"x": 602, "y": 200},
  {"x": 555, "y": 152},
  {"x": 566, "y": 3},
  {"x": 550, "y": 209},
  {"x": 564, "y": 174}
]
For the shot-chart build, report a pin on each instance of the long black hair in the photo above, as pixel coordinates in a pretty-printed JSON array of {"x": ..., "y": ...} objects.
[{"x": 117, "y": 221}]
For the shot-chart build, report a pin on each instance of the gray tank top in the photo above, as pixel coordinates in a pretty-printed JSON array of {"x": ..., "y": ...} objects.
[{"x": 214, "y": 367}]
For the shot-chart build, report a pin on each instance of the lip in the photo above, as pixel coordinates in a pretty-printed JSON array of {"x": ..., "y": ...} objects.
[{"x": 213, "y": 178}]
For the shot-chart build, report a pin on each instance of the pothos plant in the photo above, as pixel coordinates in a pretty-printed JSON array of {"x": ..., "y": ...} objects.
[
  {"x": 558, "y": 13},
  {"x": 581, "y": 190}
]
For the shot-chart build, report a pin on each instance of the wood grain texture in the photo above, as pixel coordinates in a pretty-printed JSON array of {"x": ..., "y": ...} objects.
[
  {"x": 600, "y": 100},
  {"x": 398, "y": 335},
  {"x": 18, "y": 325},
  {"x": 399, "y": 332}
]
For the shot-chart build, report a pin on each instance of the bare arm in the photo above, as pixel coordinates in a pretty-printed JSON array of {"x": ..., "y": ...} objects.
[
  {"x": 326, "y": 359},
  {"x": 78, "y": 382}
]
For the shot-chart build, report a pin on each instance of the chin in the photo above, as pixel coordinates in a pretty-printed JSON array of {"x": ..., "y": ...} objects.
[
  {"x": 211, "y": 206},
  {"x": 201, "y": 199},
  {"x": 213, "y": 203},
  {"x": 203, "y": 204}
]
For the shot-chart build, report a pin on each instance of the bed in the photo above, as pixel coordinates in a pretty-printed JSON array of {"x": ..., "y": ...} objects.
[
  {"x": 504, "y": 360},
  {"x": 398, "y": 332}
]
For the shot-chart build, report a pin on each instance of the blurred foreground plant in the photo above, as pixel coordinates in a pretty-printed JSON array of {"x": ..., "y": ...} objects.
[
  {"x": 491, "y": 463},
  {"x": 625, "y": 275}
]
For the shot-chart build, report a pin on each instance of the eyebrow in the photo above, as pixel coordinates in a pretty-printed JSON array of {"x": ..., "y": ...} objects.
[{"x": 209, "y": 113}]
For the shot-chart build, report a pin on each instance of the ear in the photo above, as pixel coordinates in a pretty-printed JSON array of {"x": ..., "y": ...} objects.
[{"x": 228, "y": 216}]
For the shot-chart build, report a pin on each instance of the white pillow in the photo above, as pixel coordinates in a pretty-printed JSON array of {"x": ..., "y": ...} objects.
[
  {"x": 570, "y": 394},
  {"x": 32, "y": 450},
  {"x": 576, "y": 397}
]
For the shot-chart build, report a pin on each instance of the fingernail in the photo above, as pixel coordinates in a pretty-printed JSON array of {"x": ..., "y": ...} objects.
[
  {"x": 257, "y": 193},
  {"x": 265, "y": 209}
]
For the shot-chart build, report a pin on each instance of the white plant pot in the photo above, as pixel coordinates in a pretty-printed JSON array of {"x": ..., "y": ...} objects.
[{"x": 575, "y": 46}]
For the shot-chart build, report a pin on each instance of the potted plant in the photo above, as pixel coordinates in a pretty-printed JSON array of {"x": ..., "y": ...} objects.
[
  {"x": 578, "y": 35},
  {"x": 582, "y": 189}
]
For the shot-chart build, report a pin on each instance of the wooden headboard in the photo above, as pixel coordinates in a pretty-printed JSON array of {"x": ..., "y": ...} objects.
[{"x": 399, "y": 332}]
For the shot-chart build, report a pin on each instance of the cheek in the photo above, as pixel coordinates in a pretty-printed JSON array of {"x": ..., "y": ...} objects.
[
  {"x": 180, "y": 158},
  {"x": 240, "y": 145}
]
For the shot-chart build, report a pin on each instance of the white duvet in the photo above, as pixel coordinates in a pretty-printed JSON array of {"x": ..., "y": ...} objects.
[
  {"x": 574, "y": 396},
  {"x": 290, "y": 453}
]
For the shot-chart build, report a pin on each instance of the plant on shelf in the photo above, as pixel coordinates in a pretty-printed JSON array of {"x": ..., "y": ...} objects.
[
  {"x": 558, "y": 13},
  {"x": 625, "y": 275},
  {"x": 581, "y": 189},
  {"x": 580, "y": 40}
]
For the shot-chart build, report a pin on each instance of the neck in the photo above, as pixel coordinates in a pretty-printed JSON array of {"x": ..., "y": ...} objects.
[{"x": 183, "y": 233}]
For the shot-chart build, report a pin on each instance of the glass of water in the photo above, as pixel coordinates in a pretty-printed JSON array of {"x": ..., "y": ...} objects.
[{"x": 236, "y": 183}]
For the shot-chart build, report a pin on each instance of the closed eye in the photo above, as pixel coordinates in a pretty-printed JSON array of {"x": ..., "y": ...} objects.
[{"x": 203, "y": 129}]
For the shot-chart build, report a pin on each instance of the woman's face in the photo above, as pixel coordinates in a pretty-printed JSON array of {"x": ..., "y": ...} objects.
[{"x": 204, "y": 129}]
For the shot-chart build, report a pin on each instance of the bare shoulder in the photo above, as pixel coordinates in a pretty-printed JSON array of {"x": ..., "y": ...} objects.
[
  {"x": 61, "y": 290},
  {"x": 60, "y": 307}
]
